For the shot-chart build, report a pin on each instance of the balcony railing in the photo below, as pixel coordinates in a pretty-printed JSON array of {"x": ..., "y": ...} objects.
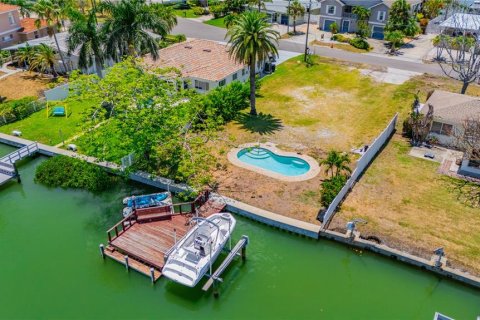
[{"x": 349, "y": 15}]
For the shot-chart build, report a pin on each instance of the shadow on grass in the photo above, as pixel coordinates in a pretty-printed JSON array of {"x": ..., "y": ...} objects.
[{"x": 261, "y": 123}]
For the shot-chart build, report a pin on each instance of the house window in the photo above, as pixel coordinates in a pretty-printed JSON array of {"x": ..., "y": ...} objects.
[
  {"x": 381, "y": 15},
  {"x": 222, "y": 83},
  {"x": 7, "y": 38},
  {"x": 235, "y": 76},
  {"x": 347, "y": 9},
  {"x": 202, "y": 85},
  {"x": 331, "y": 10},
  {"x": 11, "y": 19},
  {"x": 442, "y": 128}
]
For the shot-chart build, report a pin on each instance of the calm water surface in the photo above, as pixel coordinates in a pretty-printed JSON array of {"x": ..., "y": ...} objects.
[{"x": 50, "y": 268}]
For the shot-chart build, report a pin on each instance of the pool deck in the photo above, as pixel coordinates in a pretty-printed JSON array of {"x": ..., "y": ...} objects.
[{"x": 312, "y": 173}]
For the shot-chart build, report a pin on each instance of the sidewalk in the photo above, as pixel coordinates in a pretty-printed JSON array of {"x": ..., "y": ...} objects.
[{"x": 7, "y": 71}]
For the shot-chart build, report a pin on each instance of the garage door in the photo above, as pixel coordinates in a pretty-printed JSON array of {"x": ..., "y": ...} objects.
[
  {"x": 377, "y": 33},
  {"x": 326, "y": 24}
]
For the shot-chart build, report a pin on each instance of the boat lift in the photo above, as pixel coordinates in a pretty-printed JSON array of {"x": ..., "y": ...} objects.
[{"x": 215, "y": 277}]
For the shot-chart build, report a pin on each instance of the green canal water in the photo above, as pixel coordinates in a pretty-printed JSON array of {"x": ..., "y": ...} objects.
[{"x": 50, "y": 268}]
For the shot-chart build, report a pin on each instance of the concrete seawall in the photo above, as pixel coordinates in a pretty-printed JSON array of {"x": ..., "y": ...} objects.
[{"x": 264, "y": 216}]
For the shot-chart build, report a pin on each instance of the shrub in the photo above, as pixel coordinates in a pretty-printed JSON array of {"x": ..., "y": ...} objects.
[
  {"x": 331, "y": 187},
  {"x": 19, "y": 109},
  {"x": 334, "y": 28},
  {"x": 200, "y": 11},
  {"x": 227, "y": 101},
  {"x": 218, "y": 11},
  {"x": 66, "y": 172},
  {"x": 359, "y": 43},
  {"x": 340, "y": 38}
]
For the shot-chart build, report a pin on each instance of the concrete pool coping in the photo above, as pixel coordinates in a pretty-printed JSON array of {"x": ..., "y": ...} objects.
[{"x": 312, "y": 173}]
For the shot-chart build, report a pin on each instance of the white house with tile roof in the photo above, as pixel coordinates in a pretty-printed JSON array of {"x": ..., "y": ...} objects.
[{"x": 203, "y": 64}]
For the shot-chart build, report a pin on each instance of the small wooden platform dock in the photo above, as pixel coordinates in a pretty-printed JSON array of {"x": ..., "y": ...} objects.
[{"x": 142, "y": 245}]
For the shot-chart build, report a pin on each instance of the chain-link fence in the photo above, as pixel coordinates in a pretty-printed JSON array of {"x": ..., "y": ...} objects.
[{"x": 11, "y": 112}]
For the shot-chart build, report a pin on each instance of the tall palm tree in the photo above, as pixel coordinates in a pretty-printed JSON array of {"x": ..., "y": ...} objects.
[
  {"x": 363, "y": 14},
  {"x": 44, "y": 59},
  {"x": 127, "y": 28},
  {"x": 50, "y": 12},
  {"x": 296, "y": 10},
  {"x": 252, "y": 40},
  {"x": 259, "y": 3},
  {"x": 336, "y": 163},
  {"x": 85, "y": 34}
]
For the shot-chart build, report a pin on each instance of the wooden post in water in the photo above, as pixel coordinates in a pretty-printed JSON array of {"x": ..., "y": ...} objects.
[
  {"x": 244, "y": 253},
  {"x": 152, "y": 275},
  {"x": 102, "y": 251},
  {"x": 126, "y": 263},
  {"x": 215, "y": 289},
  {"x": 16, "y": 173}
]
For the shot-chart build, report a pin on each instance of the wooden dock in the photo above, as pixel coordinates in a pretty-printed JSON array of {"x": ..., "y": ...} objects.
[
  {"x": 142, "y": 245},
  {"x": 8, "y": 170}
]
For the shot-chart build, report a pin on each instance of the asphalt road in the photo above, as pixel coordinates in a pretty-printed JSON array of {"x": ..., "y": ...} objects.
[{"x": 194, "y": 29}]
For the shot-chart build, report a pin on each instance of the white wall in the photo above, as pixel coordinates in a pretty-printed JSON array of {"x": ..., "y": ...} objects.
[{"x": 362, "y": 164}]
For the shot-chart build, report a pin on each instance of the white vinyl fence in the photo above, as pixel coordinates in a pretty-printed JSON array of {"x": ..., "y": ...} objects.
[{"x": 362, "y": 164}]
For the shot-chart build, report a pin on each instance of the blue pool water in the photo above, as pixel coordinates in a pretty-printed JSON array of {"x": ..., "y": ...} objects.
[{"x": 266, "y": 159}]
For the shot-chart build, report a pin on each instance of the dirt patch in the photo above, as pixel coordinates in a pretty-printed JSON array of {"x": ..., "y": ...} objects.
[{"x": 23, "y": 84}]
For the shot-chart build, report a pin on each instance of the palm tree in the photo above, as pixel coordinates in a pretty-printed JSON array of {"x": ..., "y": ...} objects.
[
  {"x": 50, "y": 12},
  {"x": 44, "y": 59},
  {"x": 251, "y": 40},
  {"x": 25, "y": 6},
  {"x": 296, "y": 10},
  {"x": 127, "y": 28},
  {"x": 363, "y": 14},
  {"x": 84, "y": 34},
  {"x": 259, "y": 3},
  {"x": 336, "y": 163},
  {"x": 24, "y": 55}
]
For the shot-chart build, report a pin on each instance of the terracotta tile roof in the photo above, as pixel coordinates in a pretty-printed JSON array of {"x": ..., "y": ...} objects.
[
  {"x": 203, "y": 59},
  {"x": 28, "y": 25},
  {"x": 7, "y": 7},
  {"x": 452, "y": 107}
]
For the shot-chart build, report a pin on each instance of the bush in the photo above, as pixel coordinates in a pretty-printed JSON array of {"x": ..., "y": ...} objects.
[
  {"x": 171, "y": 39},
  {"x": 218, "y": 11},
  {"x": 66, "y": 172},
  {"x": 334, "y": 28},
  {"x": 226, "y": 102},
  {"x": 199, "y": 11},
  {"x": 359, "y": 43},
  {"x": 331, "y": 187},
  {"x": 15, "y": 110},
  {"x": 340, "y": 38}
]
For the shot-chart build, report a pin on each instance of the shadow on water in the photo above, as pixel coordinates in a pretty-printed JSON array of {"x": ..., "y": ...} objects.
[{"x": 261, "y": 123}]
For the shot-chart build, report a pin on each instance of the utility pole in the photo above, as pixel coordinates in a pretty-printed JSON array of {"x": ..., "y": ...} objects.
[{"x": 308, "y": 29}]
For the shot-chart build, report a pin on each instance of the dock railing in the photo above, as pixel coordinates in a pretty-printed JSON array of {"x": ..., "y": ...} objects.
[
  {"x": 20, "y": 153},
  {"x": 122, "y": 226}
]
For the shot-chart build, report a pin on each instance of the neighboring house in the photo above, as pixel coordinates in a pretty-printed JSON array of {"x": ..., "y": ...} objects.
[
  {"x": 203, "y": 64},
  {"x": 14, "y": 29},
  {"x": 277, "y": 10},
  {"x": 70, "y": 60},
  {"x": 450, "y": 110},
  {"x": 341, "y": 12},
  {"x": 460, "y": 23}
]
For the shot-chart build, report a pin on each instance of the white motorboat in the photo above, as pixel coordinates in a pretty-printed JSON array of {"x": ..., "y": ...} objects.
[{"x": 194, "y": 254}]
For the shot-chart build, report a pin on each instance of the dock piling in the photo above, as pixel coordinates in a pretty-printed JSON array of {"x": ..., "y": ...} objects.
[
  {"x": 152, "y": 275},
  {"x": 175, "y": 235},
  {"x": 126, "y": 263},
  {"x": 102, "y": 251},
  {"x": 17, "y": 174}
]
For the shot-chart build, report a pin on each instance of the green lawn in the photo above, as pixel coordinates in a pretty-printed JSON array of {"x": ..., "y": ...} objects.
[
  {"x": 219, "y": 22},
  {"x": 51, "y": 130},
  {"x": 185, "y": 13}
]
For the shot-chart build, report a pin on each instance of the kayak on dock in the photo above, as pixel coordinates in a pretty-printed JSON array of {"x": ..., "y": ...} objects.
[{"x": 145, "y": 201}]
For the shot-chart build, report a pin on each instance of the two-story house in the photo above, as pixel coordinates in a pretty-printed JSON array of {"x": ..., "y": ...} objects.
[
  {"x": 341, "y": 12},
  {"x": 14, "y": 29}
]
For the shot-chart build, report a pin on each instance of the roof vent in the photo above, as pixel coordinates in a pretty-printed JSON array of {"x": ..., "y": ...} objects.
[
  {"x": 188, "y": 47},
  {"x": 207, "y": 50}
]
